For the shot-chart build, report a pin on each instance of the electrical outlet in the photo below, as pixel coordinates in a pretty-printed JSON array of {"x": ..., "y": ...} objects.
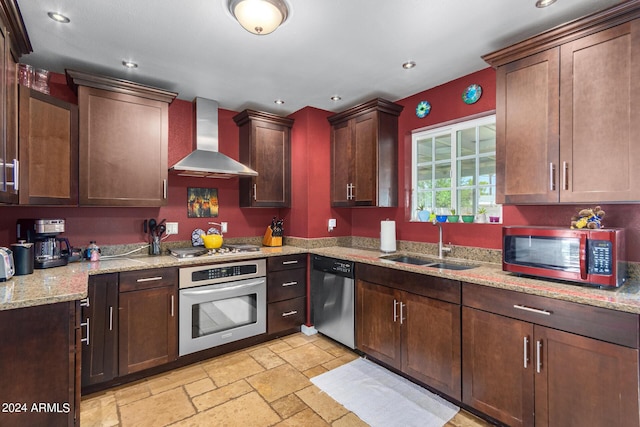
[
  {"x": 223, "y": 227},
  {"x": 172, "y": 228},
  {"x": 332, "y": 224}
]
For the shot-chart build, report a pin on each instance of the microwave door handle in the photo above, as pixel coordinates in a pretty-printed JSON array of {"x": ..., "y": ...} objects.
[{"x": 583, "y": 256}]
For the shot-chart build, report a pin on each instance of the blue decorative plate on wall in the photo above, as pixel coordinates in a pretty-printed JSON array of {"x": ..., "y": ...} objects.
[
  {"x": 472, "y": 94},
  {"x": 423, "y": 109}
]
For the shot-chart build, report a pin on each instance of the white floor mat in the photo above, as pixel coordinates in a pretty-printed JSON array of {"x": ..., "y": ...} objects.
[{"x": 382, "y": 398}]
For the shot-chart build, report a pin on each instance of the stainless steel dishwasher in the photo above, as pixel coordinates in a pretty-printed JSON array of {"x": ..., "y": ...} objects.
[{"x": 333, "y": 298}]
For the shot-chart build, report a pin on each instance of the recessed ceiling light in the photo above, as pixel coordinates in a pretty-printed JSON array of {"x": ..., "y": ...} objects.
[
  {"x": 58, "y": 17},
  {"x": 408, "y": 65},
  {"x": 129, "y": 64},
  {"x": 279, "y": 101},
  {"x": 336, "y": 98},
  {"x": 544, "y": 3}
]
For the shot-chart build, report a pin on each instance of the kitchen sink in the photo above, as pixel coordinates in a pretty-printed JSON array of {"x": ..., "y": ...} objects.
[{"x": 444, "y": 265}]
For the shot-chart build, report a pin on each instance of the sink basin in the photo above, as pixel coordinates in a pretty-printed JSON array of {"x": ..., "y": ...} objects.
[
  {"x": 408, "y": 259},
  {"x": 429, "y": 262}
]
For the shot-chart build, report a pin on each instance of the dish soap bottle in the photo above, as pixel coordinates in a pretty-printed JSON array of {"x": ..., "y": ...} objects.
[{"x": 93, "y": 251}]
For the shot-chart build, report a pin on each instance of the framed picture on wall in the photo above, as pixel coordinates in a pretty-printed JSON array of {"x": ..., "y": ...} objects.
[{"x": 202, "y": 202}]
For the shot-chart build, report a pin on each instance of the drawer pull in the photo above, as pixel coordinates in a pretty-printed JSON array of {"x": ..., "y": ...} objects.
[
  {"x": 84, "y": 302},
  {"x": 538, "y": 356},
  {"x": 289, "y": 313},
  {"x": 172, "y": 307},
  {"x": 149, "y": 279},
  {"x": 86, "y": 340},
  {"x": 525, "y": 351},
  {"x": 111, "y": 318},
  {"x": 395, "y": 310},
  {"x": 289, "y": 283},
  {"x": 532, "y": 310},
  {"x": 289, "y": 262}
]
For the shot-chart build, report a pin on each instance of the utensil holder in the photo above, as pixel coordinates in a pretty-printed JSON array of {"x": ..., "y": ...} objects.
[{"x": 154, "y": 247}]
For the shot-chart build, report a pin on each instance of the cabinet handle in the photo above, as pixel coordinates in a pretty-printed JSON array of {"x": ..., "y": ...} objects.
[
  {"x": 538, "y": 356},
  {"x": 395, "y": 310},
  {"x": 84, "y": 302},
  {"x": 552, "y": 177},
  {"x": 402, "y": 318},
  {"x": 289, "y": 262},
  {"x": 532, "y": 310},
  {"x": 565, "y": 176},
  {"x": 16, "y": 174},
  {"x": 255, "y": 191},
  {"x": 172, "y": 306},
  {"x": 289, "y": 313},
  {"x": 525, "y": 351},
  {"x": 289, "y": 284},
  {"x": 348, "y": 187},
  {"x": 164, "y": 188},
  {"x": 111, "y": 318},
  {"x": 149, "y": 279},
  {"x": 86, "y": 340}
]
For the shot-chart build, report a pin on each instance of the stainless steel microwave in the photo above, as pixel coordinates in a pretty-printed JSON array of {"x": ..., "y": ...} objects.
[{"x": 588, "y": 256}]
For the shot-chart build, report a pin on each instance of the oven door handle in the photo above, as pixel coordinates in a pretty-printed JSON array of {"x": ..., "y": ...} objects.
[{"x": 221, "y": 288}]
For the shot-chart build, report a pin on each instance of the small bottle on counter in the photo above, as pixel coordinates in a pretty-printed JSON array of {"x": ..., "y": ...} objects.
[{"x": 93, "y": 251}]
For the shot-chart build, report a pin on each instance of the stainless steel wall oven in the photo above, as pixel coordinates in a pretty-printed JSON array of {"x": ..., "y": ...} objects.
[{"x": 221, "y": 303}]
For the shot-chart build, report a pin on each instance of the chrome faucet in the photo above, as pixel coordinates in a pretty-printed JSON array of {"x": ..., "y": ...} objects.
[{"x": 441, "y": 247}]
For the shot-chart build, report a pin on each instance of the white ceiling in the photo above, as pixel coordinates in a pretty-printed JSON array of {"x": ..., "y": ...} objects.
[{"x": 351, "y": 48}]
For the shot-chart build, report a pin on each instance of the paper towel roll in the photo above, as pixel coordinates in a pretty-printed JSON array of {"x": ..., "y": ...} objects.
[{"x": 388, "y": 236}]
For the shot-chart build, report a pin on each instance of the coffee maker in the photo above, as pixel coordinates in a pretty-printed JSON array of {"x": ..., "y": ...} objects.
[{"x": 49, "y": 249}]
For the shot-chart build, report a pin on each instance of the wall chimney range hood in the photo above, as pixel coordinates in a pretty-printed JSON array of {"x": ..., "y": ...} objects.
[{"x": 206, "y": 161}]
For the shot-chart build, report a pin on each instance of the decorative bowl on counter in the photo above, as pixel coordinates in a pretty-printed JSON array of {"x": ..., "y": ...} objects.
[
  {"x": 441, "y": 218},
  {"x": 467, "y": 218},
  {"x": 212, "y": 241},
  {"x": 453, "y": 218}
]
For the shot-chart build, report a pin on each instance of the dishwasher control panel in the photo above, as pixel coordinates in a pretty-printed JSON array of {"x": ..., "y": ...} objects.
[{"x": 333, "y": 265}]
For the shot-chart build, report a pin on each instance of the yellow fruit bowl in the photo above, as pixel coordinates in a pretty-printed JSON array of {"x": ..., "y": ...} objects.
[{"x": 212, "y": 241}]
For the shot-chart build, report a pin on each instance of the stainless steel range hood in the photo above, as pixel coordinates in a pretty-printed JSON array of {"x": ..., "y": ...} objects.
[{"x": 206, "y": 161}]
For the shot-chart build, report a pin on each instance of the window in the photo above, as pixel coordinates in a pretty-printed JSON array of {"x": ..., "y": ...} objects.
[{"x": 454, "y": 167}]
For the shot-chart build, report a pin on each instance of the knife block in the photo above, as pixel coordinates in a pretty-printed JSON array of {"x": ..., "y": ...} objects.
[{"x": 270, "y": 240}]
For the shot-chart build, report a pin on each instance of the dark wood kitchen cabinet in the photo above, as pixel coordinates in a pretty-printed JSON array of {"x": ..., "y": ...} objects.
[
  {"x": 148, "y": 312},
  {"x": 14, "y": 42},
  {"x": 40, "y": 365},
  {"x": 286, "y": 293},
  {"x": 530, "y": 360},
  {"x": 123, "y": 130},
  {"x": 265, "y": 146},
  {"x": 364, "y": 155},
  {"x": 566, "y": 107},
  {"x": 411, "y": 322},
  {"x": 100, "y": 329},
  {"x": 48, "y": 149}
]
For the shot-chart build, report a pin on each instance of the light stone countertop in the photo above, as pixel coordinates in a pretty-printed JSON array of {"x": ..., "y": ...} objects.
[{"x": 69, "y": 283}]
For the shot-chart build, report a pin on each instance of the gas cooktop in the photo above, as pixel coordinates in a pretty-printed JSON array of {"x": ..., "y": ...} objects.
[{"x": 198, "y": 251}]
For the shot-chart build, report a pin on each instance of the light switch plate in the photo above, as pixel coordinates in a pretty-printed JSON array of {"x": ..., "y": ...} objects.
[{"x": 172, "y": 228}]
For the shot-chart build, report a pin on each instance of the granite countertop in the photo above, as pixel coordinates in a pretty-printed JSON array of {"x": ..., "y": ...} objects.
[
  {"x": 626, "y": 298},
  {"x": 69, "y": 283}
]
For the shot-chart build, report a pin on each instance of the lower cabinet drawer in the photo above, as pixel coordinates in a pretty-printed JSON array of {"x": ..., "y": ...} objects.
[
  {"x": 285, "y": 315},
  {"x": 286, "y": 284}
]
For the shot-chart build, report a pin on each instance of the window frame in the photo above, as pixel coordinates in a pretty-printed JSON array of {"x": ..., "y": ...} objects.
[{"x": 451, "y": 128}]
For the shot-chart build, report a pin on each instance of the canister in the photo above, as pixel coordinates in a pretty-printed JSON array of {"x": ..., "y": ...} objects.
[{"x": 23, "y": 257}]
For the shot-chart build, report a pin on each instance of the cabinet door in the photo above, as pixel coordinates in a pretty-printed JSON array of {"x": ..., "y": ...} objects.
[
  {"x": 48, "y": 149},
  {"x": 599, "y": 113},
  {"x": 123, "y": 149},
  {"x": 497, "y": 369},
  {"x": 583, "y": 382},
  {"x": 148, "y": 328},
  {"x": 377, "y": 323},
  {"x": 271, "y": 154},
  {"x": 9, "y": 121},
  {"x": 100, "y": 326},
  {"x": 366, "y": 160},
  {"x": 38, "y": 355},
  {"x": 527, "y": 129},
  {"x": 431, "y": 343},
  {"x": 341, "y": 161}
]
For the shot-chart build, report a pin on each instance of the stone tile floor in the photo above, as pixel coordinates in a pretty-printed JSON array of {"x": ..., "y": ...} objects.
[{"x": 264, "y": 385}]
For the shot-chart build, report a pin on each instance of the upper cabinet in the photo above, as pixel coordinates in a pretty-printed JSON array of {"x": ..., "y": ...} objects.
[
  {"x": 364, "y": 155},
  {"x": 566, "y": 112},
  {"x": 14, "y": 42},
  {"x": 123, "y": 132},
  {"x": 265, "y": 146}
]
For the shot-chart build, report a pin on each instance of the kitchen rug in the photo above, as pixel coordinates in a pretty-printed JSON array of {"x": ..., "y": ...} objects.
[{"x": 383, "y": 399}]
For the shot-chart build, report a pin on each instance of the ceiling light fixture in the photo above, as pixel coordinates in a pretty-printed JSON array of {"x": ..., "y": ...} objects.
[
  {"x": 129, "y": 64},
  {"x": 259, "y": 16},
  {"x": 544, "y": 3},
  {"x": 336, "y": 98},
  {"x": 408, "y": 65},
  {"x": 58, "y": 17},
  {"x": 279, "y": 101}
]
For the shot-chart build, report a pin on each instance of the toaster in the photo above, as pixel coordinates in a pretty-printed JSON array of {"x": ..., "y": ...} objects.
[{"x": 7, "y": 268}]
